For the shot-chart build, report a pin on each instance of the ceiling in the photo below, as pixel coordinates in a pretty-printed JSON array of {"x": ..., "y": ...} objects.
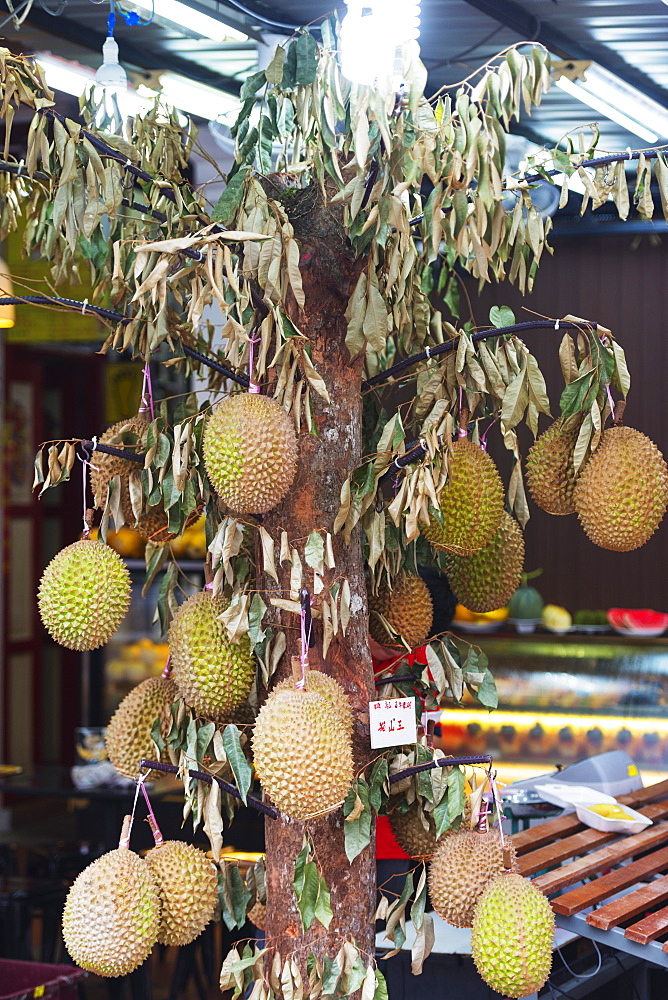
[{"x": 628, "y": 37}]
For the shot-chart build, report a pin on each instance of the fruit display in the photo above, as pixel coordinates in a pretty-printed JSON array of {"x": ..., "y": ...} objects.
[
  {"x": 407, "y": 607},
  {"x": 188, "y": 886},
  {"x": 302, "y": 752},
  {"x": 551, "y": 475},
  {"x": 622, "y": 493},
  {"x": 462, "y": 866},
  {"x": 470, "y": 504},
  {"x": 556, "y": 618},
  {"x": 512, "y": 936},
  {"x": 526, "y": 603},
  {"x": 191, "y": 544},
  {"x": 213, "y": 674},
  {"x": 487, "y": 579},
  {"x": 112, "y": 914},
  {"x": 250, "y": 450},
  {"x": 135, "y": 661},
  {"x": 128, "y": 737},
  {"x": 84, "y": 595}
]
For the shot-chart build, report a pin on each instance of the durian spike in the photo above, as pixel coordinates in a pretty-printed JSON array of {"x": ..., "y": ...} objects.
[{"x": 124, "y": 840}]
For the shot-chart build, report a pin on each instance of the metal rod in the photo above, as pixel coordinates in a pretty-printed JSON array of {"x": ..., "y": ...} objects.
[
  {"x": 251, "y": 800},
  {"x": 482, "y": 758}
]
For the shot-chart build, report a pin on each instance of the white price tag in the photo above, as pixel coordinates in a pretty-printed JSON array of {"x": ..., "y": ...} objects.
[{"x": 393, "y": 722}]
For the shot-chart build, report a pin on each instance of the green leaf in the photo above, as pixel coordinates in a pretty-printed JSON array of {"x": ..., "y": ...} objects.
[
  {"x": 500, "y": 316},
  {"x": 441, "y": 816},
  {"x": 573, "y": 398},
  {"x": 314, "y": 552},
  {"x": 420, "y": 901},
  {"x": 456, "y": 796},
  {"x": 231, "y": 196},
  {"x": 165, "y": 596},
  {"x": 378, "y": 776},
  {"x": 241, "y": 768},
  {"x": 307, "y": 897},
  {"x": 156, "y": 556},
  {"x": 487, "y": 694},
  {"x": 256, "y": 612},
  {"x": 307, "y": 63},
  {"x": 381, "y": 987},
  {"x": 331, "y": 973},
  {"x": 156, "y": 735},
  {"x": 252, "y": 84},
  {"x": 300, "y": 865},
  {"x": 274, "y": 71},
  {"x": 204, "y": 737},
  {"x": 357, "y": 832},
  {"x": 323, "y": 906}
]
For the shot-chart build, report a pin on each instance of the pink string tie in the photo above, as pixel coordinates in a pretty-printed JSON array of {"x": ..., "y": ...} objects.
[
  {"x": 252, "y": 341},
  {"x": 305, "y": 637},
  {"x": 85, "y": 462},
  {"x": 610, "y": 402},
  {"x": 146, "y": 404}
]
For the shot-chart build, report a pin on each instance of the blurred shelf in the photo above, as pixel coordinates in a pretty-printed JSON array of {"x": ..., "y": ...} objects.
[{"x": 189, "y": 565}]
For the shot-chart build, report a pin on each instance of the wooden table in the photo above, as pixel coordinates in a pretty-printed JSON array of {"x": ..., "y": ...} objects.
[{"x": 609, "y": 887}]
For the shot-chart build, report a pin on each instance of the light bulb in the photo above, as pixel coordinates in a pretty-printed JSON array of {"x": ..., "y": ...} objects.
[
  {"x": 373, "y": 33},
  {"x": 111, "y": 74}
]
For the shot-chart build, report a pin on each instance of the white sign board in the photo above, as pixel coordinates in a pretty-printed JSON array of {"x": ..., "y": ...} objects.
[{"x": 392, "y": 722}]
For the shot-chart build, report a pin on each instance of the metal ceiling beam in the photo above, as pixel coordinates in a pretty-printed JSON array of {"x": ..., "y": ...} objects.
[
  {"x": 142, "y": 57},
  {"x": 533, "y": 29}
]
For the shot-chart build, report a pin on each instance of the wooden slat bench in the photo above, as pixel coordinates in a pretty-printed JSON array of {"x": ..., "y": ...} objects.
[{"x": 561, "y": 853}]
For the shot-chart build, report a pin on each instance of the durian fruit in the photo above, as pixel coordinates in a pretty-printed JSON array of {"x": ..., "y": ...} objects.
[
  {"x": 331, "y": 691},
  {"x": 112, "y": 914},
  {"x": 416, "y": 839},
  {"x": 258, "y": 915},
  {"x": 512, "y": 936},
  {"x": 622, "y": 493},
  {"x": 488, "y": 579},
  {"x": 407, "y": 607},
  {"x": 461, "y": 867},
  {"x": 84, "y": 594},
  {"x": 213, "y": 674},
  {"x": 152, "y": 522},
  {"x": 188, "y": 887},
  {"x": 471, "y": 502},
  {"x": 551, "y": 475},
  {"x": 250, "y": 452},
  {"x": 302, "y": 754},
  {"x": 128, "y": 735}
]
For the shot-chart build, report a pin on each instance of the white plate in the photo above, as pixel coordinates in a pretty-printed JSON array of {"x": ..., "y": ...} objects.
[
  {"x": 476, "y": 626},
  {"x": 648, "y": 632},
  {"x": 559, "y": 631},
  {"x": 567, "y": 796},
  {"x": 591, "y": 629},
  {"x": 634, "y": 824},
  {"x": 524, "y": 625}
]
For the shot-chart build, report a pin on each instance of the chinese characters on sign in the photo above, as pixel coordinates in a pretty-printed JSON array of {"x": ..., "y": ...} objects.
[{"x": 393, "y": 722}]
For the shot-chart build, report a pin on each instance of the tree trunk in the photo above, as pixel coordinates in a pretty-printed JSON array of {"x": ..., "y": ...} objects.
[{"x": 328, "y": 274}]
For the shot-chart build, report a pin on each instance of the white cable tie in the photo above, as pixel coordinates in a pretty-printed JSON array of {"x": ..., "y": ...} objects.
[
  {"x": 84, "y": 307},
  {"x": 128, "y": 163},
  {"x": 94, "y": 440},
  {"x": 556, "y": 325},
  {"x": 630, "y": 152},
  {"x": 427, "y": 351},
  {"x": 396, "y": 463}
]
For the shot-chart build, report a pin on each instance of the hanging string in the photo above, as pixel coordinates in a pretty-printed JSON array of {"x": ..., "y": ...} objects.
[
  {"x": 483, "y": 439},
  {"x": 610, "y": 402},
  {"x": 152, "y": 821},
  {"x": 167, "y": 669},
  {"x": 497, "y": 804},
  {"x": 306, "y": 624},
  {"x": 252, "y": 341},
  {"x": 125, "y": 835},
  {"x": 85, "y": 462},
  {"x": 146, "y": 404}
]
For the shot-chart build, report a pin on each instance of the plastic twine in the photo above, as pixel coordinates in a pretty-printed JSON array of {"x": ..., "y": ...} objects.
[
  {"x": 152, "y": 821},
  {"x": 167, "y": 669},
  {"x": 85, "y": 462},
  {"x": 610, "y": 402},
  {"x": 146, "y": 403},
  {"x": 483, "y": 439},
  {"x": 252, "y": 341},
  {"x": 306, "y": 624},
  {"x": 125, "y": 835}
]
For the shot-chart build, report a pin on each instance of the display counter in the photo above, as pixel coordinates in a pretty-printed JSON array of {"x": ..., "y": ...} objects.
[{"x": 564, "y": 697}]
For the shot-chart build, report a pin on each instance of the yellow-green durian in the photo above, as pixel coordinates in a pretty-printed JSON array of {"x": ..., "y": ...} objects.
[
  {"x": 84, "y": 594},
  {"x": 331, "y": 690},
  {"x": 213, "y": 674},
  {"x": 462, "y": 866},
  {"x": 622, "y": 493},
  {"x": 250, "y": 451},
  {"x": 188, "y": 888},
  {"x": 407, "y": 607},
  {"x": 112, "y": 914},
  {"x": 128, "y": 734},
  {"x": 302, "y": 754},
  {"x": 551, "y": 475},
  {"x": 512, "y": 936},
  {"x": 488, "y": 579},
  {"x": 471, "y": 502}
]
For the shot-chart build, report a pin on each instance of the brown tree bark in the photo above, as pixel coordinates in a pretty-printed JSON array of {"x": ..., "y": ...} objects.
[{"x": 329, "y": 272}]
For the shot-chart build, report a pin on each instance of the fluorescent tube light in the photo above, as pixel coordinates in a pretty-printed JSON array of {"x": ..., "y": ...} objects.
[
  {"x": 578, "y": 91},
  {"x": 628, "y": 99},
  {"x": 197, "y": 98},
  {"x": 372, "y": 34},
  {"x": 61, "y": 74},
  {"x": 191, "y": 19}
]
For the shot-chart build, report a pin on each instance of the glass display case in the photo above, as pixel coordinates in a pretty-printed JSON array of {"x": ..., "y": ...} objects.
[{"x": 565, "y": 697}]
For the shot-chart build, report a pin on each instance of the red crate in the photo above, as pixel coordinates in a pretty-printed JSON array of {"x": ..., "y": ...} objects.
[{"x": 27, "y": 980}]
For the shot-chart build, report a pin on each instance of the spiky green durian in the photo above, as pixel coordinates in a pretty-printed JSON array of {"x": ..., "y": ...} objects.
[
  {"x": 487, "y": 579},
  {"x": 622, "y": 493},
  {"x": 250, "y": 451},
  {"x": 471, "y": 502},
  {"x": 551, "y": 475},
  {"x": 128, "y": 735},
  {"x": 213, "y": 674},
  {"x": 84, "y": 594},
  {"x": 331, "y": 690},
  {"x": 112, "y": 914},
  {"x": 188, "y": 888},
  {"x": 512, "y": 936},
  {"x": 462, "y": 866},
  {"x": 407, "y": 607},
  {"x": 302, "y": 754}
]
